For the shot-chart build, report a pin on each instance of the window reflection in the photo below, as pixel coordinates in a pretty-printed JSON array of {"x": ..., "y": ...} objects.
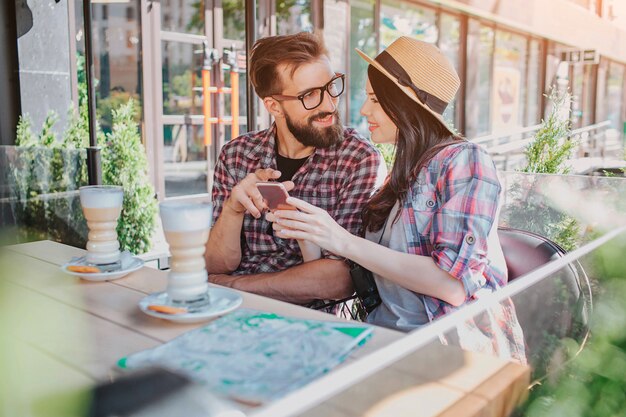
[
  {"x": 185, "y": 16},
  {"x": 293, "y": 16},
  {"x": 449, "y": 35},
  {"x": 614, "y": 92},
  {"x": 398, "y": 18},
  {"x": 587, "y": 96},
  {"x": 117, "y": 56},
  {"x": 234, "y": 19},
  {"x": 533, "y": 89},
  {"x": 182, "y": 78},
  {"x": 184, "y": 155},
  {"x": 509, "y": 81},
  {"x": 362, "y": 36},
  {"x": 480, "y": 43}
]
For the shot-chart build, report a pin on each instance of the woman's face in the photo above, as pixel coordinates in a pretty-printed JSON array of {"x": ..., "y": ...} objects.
[{"x": 382, "y": 129}]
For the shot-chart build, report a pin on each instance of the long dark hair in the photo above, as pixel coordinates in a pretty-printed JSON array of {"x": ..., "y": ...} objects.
[{"x": 420, "y": 137}]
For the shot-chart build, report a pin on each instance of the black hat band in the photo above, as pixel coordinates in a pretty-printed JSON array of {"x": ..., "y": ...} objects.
[{"x": 394, "y": 68}]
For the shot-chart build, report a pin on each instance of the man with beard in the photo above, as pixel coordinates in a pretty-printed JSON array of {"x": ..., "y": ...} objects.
[{"x": 316, "y": 159}]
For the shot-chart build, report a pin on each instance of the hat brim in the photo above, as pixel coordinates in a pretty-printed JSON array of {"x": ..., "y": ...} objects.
[{"x": 406, "y": 90}]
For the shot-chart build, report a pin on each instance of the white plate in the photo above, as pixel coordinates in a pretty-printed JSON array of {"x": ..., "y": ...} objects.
[
  {"x": 131, "y": 266},
  {"x": 222, "y": 301}
]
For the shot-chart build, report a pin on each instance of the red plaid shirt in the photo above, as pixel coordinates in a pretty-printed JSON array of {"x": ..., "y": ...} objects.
[{"x": 339, "y": 179}]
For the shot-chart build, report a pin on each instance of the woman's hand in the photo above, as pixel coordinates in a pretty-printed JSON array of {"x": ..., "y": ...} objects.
[
  {"x": 310, "y": 251},
  {"x": 312, "y": 224}
]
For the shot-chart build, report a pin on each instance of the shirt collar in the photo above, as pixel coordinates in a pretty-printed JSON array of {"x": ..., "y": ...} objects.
[{"x": 265, "y": 149}]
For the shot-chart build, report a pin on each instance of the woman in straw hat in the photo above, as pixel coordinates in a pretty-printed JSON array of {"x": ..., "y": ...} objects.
[{"x": 431, "y": 230}]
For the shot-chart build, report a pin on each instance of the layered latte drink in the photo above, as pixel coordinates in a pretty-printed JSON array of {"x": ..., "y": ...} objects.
[
  {"x": 186, "y": 227},
  {"x": 102, "y": 205}
]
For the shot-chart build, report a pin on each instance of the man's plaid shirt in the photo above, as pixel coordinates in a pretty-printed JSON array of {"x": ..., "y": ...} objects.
[{"x": 339, "y": 179}]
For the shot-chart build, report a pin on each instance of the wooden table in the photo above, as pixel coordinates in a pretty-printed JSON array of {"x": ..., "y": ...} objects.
[{"x": 77, "y": 330}]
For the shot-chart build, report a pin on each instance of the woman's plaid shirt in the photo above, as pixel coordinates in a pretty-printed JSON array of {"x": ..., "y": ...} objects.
[
  {"x": 449, "y": 214},
  {"x": 339, "y": 179}
]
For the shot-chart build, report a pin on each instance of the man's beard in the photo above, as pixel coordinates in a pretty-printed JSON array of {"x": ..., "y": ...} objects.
[{"x": 309, "y": 135}]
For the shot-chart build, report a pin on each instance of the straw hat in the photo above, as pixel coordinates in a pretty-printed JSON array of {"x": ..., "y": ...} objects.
[{"x": 421, "y": 71}]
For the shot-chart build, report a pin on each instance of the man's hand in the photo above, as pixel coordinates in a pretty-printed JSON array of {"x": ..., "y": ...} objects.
[{"x": 245, "y": 197}]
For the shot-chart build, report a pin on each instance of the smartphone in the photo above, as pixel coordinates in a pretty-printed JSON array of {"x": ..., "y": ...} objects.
[{"x": 275, "y": 195}]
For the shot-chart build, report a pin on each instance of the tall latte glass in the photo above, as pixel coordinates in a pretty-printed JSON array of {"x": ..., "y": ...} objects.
[
  {"x": 186, "y": 227},
  {"x": 102, "y": 205}
]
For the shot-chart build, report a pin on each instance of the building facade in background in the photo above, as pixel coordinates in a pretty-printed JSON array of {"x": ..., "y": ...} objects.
[{"x": 168, "y": 54}]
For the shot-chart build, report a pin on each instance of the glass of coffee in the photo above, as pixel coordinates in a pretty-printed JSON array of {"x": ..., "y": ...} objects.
[
  {"x": 186, "y": 227},
  {"x": 102, "y": 205}
]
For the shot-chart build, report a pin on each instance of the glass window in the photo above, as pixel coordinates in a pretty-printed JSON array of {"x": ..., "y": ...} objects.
[
  {"x": 576, "y": 86},
  {"x": 449, "y": 35},
  {"x": 584, "y": 3},
  {"x": 293, "y": 16},
  {"x": 336, "y": 14},
  {"x": 480, "y": 43},
  {"x": 234, "y": 16},
  {"x": 182, "y": 78},
  {"x": 587, "y": 95},
  {"x": 362, "y": 36},
  {"x": 399, "y": 18},
  {"x": 184, "y": 153},
  {"x": 557, "y": 71},
  {"x": 240, "y": 75},
  {"x": 185, "y": 16},
  {"x": 185, "y": 156},
  {"x": 614, "y": 94},
  {"x": 117, "y": 57},
  {"x": 603, "y": 73},
  {"x": 509, "y": 83},
  {"x": 235, "y": 34},
  {"x": 534, "y": 90}
]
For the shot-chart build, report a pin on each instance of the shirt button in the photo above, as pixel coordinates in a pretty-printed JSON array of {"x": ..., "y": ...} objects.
[
  {"x": 469, "y": 239},
  {"x": 430, "y": 204}
]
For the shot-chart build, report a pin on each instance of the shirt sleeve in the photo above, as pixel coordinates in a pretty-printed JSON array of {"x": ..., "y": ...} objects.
[
  {"x": 469, "y": 192},
  {"x": 354, "y": 193},
  {"x": 223, "y": 183}
]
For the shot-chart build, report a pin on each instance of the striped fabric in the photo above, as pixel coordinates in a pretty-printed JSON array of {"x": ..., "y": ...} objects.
[
  {"x": 449, "y": 214},
  {"x": 339, "y": 179}
]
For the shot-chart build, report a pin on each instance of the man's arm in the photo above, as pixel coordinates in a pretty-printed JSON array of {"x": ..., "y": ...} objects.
[
  {"x": 223, "y": 250},
  {"x": 301, "y": 284},
  {"x": 231, "y": 202}
]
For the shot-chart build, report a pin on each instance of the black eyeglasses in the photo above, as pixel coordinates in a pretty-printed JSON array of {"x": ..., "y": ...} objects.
[{"x": 313, "y": 97}]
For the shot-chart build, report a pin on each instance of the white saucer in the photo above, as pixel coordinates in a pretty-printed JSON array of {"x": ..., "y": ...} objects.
[
  {"x": 129, "y": 265},
  {"x": 222, "y": 301}
]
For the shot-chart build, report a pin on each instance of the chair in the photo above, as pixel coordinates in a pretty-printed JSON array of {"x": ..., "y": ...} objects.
[
  {"x": 348, "y": 308},
  {"x": 553, "y": 309}
]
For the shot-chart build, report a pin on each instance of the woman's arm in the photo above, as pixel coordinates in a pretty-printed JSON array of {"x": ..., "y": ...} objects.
[
  {"x": 310, "y": 251},
  {"x": 414, "y": 272}
]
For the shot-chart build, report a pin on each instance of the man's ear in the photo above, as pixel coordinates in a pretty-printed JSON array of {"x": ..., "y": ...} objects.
[{"x": 273, "y": 107}]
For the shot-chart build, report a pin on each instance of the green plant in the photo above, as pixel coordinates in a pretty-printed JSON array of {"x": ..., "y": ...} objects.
[
  {"x": 592, "y": 384},
  {"x": 551, "y": 147},
  {"x": 106, "y": 107},
  {"x": 124, "y": 163},
  {"x": 546, "y": 154},
  {"x": 47, "y": 172},
  {"x": 388, "y": 151},
  {"x": 44, "y": 172}
]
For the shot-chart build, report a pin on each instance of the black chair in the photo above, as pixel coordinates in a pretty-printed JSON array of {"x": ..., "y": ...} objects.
[
  {"x": 557, "y": 307},
  {"x": 348, "y": 308}
]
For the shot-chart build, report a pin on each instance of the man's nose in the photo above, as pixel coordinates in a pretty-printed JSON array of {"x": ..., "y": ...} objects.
[{"x": 329, "y": 104}]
